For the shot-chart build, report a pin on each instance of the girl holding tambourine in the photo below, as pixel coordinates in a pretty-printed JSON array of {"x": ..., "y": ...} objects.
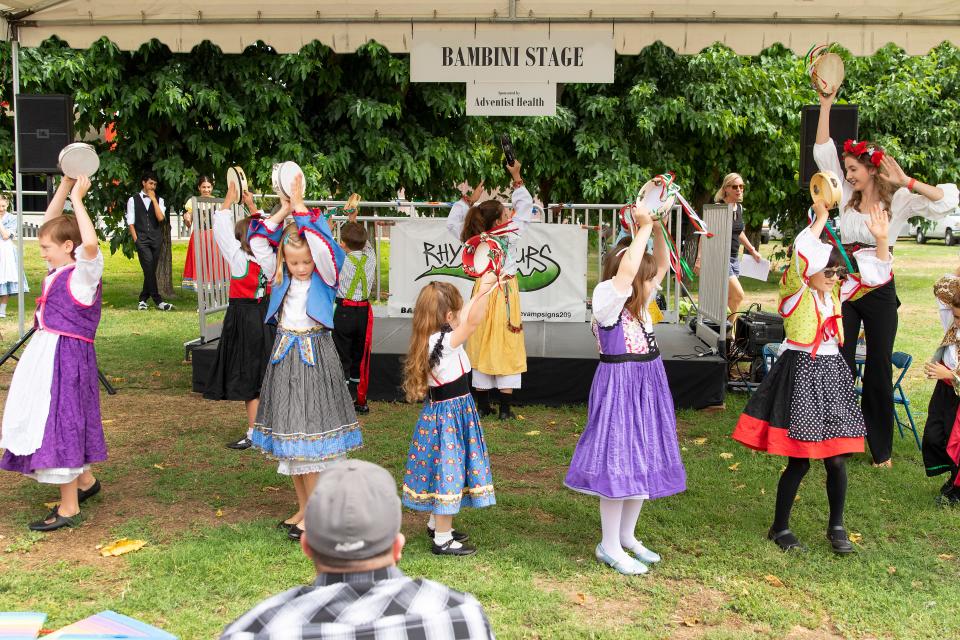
[
  {"x": 497, "y": 350},
  {"x": 872, "y": 177}
]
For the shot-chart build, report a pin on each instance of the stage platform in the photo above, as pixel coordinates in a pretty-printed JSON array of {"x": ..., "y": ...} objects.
[{"x": 561, "y": 360}]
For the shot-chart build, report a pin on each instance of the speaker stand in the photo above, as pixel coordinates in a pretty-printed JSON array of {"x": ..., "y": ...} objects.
[{"x": 11, "y": 353}]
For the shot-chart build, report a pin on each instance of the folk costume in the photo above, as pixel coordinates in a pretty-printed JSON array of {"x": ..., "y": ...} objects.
[
  {"x": 448, "y": 466},
  {"x": 52, "y": 429},
  {"x": 497, "y": 348},
  {"x": 876, "y": 311},
  {"x": 628, "y": 449},
  {"x": 11, "y": 273},
  {"x": 941, "y": 438},
  {"x": 246, "y": 340},
  {"x": 353, "y": 320},
  {"x": 305, "y": 418}
]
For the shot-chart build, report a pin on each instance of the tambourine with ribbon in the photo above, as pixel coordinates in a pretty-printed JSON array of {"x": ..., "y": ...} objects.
[
  {"x": 825, "y": 187},
  {"x": 78, "y": 159},
  {"x": 284, "y": 174},
  {"x": 237, "y": 178},
  {"x": 825, "y": 69},
  {"x": 481, "y": 254}
]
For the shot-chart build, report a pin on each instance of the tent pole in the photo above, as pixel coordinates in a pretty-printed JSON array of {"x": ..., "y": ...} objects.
[{"x": 15, "y": 51}]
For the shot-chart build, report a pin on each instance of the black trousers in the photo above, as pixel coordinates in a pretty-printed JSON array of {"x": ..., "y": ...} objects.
[
  {"x": 941, "y": 413},
  {"x": 148, "y": 251},
  {"x": 877, "y": 312},
  {"x": 352, "y": 334}
]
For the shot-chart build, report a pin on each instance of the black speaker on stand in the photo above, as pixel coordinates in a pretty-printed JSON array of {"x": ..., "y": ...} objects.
[
  {"x": 844, "y": 123},
  {"x": 45, "y": 127}
]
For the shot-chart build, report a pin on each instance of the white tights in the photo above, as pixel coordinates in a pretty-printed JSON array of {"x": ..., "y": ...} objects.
[{"x": 618, "y": 521}]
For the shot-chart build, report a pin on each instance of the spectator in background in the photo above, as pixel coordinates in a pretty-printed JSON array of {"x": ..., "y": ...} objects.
[
  {"x": 145, "y": 215},
  {"x": 11, "y": 273},
  {"x": 204, "y": 190},
  {"x": 353, "y": 537}
]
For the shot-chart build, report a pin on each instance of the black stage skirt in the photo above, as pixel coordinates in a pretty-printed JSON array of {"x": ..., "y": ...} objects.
[
  {"x": 805, "y": 408},
  {"x": 941, "y": 414},
  {"x": 242, "y": 353}
]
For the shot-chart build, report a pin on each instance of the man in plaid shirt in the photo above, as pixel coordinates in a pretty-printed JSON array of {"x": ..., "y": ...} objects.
[{"x": 352, "y": 535}]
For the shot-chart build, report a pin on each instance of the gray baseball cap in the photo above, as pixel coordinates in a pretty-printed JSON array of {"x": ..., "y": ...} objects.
[{"x": 353, "y": 512}]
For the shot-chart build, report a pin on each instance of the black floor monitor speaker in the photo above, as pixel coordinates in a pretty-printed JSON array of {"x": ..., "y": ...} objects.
[
  {"x": 844, "y": 123},
  {"x": 45, "y": 127}
]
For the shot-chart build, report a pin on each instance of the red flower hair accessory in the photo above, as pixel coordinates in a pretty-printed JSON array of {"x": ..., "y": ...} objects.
[{"x": 875, "y": 154}]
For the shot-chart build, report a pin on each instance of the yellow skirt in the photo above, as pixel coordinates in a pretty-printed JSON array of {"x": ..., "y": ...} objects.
[{"x": 497, "y": 348}]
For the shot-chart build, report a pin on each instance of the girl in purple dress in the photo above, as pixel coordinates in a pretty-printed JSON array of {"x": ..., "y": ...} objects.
[
  {"x": 628, "y": 451},
  {"x": 52, "y": 430}
]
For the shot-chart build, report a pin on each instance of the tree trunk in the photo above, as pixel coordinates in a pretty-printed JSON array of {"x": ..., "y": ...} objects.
[{"x": 165, "y": 261}]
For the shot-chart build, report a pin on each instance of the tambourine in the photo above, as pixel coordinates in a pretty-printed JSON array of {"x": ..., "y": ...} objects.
[
  {"x": 237, "y": 178},
  {"x": 482, "y": 254},
  {"x": 78, "y": 159},
  {"x": 825, "y": 70},
  {"x": 657, "y": 198},
  {"x": 825, "y": 187},
  {"x": 283, "y": 175}
]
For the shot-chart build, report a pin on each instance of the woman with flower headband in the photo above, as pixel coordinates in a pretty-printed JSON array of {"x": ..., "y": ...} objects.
[{"x": 874, "y": 178}]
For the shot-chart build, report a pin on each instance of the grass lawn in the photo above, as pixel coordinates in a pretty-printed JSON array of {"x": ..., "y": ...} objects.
[{"x": 208, "y": 513}]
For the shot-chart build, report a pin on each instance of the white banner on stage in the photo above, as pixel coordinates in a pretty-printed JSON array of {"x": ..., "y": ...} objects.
[{"x": 552, "y": 273}]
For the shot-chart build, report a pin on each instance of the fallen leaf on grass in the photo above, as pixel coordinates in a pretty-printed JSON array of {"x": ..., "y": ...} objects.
[
  {"x": 122, "y": 546},
  {"x": 734, "y": 466},
  {"x": 946, "y": 556},
  {"x": 726, "y": 456},
  {"x": 699, "y": 441},
  {"x": 552, "y": 423},
  {"x": 533, "y": 433},
  {"x": 763, "y": 492},
  {"x": 51, "y": 505},
  {"x": 156, "y": 374},
  {"x": 891, "y": 570},
  {"x": 773, "y": 581},
  {"x": 271, "y": 489},
  {"x": 219, "y": 513},
  {"x": 855, "y": 537},
  {"x": 740, "y": 486},
  {"x": 520, "y": 417},
  {"x": 111, "y": 421},
  {"x": 691, "y": 622},
  {"x": 581, "y": 598},
  {"x": 683, "y": 448},
  {"x": 161, "y": 466}
]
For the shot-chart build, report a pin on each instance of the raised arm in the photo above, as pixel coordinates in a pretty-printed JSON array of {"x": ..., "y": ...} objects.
[
  {"x": 892, "y": 173},
  {"x": 458, "y": 212},
  {"x": 630, "y": 263},
  {"x": 88, "y": 233},
  {"x": 661, "y": 256},
  {"x": 472, "y": 314},
  {"x": 225, "y": 236},
  {"x": 521, "y": 198},
  {"x": 327, "y": 254},
  {"x": 823, "y": 123},
  {"x": 55, "y": 208}
]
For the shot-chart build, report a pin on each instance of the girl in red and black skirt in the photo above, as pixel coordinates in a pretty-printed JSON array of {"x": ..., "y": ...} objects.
[{"x": 806, "y": 406}]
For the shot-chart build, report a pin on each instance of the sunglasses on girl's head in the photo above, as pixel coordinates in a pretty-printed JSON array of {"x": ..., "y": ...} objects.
[{"x": 837, "y": 272}]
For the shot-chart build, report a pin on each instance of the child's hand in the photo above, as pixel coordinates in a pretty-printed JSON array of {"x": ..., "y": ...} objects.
[
  {"x": 937, "y": 371},
  {"x": 230, "y": 198},
  {"x": 487, "y": 282},
  {"x": 296, "y": 195},
  {"x": 66, "y": 183},
  {"x": 878, "y": 223},
  {"x": 641, "y": 216},
  {"x": 514, "y": 170},
  {"x": 820, "y": 211},
  {"x": 249, "y": 203},
  {"x": 475, "y": 195},
  {"x": 80, "y": 187}
]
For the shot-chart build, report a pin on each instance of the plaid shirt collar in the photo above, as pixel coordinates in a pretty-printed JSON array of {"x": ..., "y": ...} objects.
[{"x": 358, "y": 578}]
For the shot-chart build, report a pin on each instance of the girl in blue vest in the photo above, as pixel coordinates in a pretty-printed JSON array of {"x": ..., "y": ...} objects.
[
  {"x": 806, "y": 407},
  {"x": 306, "y": 417},
  {"x": 52, "y": 431}
]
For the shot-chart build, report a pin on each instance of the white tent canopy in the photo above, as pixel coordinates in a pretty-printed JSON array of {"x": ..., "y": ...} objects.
[{"x": 748, "y": 26}]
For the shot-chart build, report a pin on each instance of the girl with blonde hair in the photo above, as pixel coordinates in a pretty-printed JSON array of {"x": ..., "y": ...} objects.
[{"x": 448, "y": 466}]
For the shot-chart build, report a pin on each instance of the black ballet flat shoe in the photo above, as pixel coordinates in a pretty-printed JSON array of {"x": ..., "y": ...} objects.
[
  {"x": 241, "y": 444},
  {"x": 295, "y": 532},
  {"x": 950, "y": 498},
  {"x": 839, "y": 541},
  {"x": 361, "y": 409},
  {"x": 447, "y": 549},
  {"x": 786, "y": 540},
  {"x": 507, "y": 415},
  {"x": 458, "y": 536},
  {"x": 85, "y": 494},
  {"x": 285, "y": 526},
  {"x": 59, "y": 522}
]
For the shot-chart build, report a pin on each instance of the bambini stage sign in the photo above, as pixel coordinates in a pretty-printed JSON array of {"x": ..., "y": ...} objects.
[{"x": 552, "y": 274}]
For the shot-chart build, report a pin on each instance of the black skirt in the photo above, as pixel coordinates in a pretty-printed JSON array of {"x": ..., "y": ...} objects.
[
  {"x": 242, "y": 353},
  {"x": 941, "y": 414}
]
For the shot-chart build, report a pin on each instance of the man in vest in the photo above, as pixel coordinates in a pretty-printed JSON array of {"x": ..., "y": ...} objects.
[
  {"x": 353, "y": 320},
  {"x": 145, "y": 213}
]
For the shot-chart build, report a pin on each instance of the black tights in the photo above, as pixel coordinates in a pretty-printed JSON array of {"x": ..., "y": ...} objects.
[{"x": 797, "y": 468}]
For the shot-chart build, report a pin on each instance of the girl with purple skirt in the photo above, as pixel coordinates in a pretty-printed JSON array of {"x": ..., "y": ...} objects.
[
  {"x": 52, "y": 430},
  {"x": 628, "y": 451}
]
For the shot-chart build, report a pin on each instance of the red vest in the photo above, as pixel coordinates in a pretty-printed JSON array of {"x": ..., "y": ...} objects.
[{"x": 252, "y": 285}]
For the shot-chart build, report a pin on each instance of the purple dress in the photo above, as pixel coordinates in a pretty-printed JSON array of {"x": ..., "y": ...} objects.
[
  {"x": 73, "y": 431},
  {"x": 629, "y": 447}
]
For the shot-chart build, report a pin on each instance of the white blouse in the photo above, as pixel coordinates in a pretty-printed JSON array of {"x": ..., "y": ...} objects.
[
  {"x": 453, "y": 362},
  {"x": 230, "y": 248},
  {"x": 608, "y": 302},
  {"x": 294, "y": 314},
  {"x": 905, "y": 205}
]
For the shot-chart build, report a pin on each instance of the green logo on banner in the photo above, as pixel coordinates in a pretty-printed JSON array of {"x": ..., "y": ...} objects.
[{"x": 536, "y": 269}]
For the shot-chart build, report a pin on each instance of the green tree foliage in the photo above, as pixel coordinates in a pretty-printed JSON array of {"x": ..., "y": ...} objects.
[{"x": 357, "y": 123}]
